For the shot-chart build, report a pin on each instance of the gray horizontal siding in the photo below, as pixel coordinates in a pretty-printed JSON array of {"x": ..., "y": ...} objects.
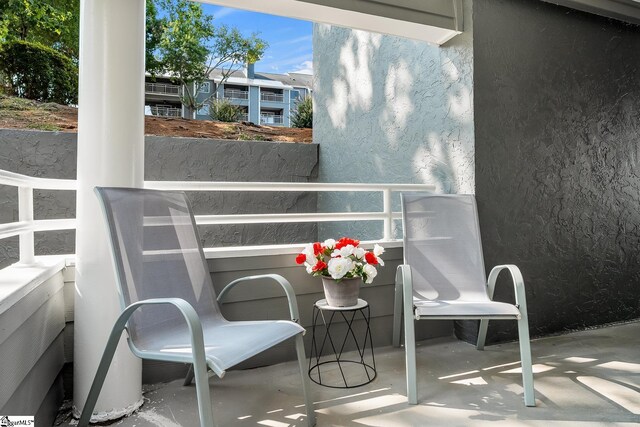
[{"x": 31, "y": 339}]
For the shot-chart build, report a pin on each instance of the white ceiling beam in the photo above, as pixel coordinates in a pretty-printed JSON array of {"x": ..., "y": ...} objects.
[{"x": 434, "y": 21}]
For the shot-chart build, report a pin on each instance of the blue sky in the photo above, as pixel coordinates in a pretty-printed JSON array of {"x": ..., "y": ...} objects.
[{"x": 289, "y": 39}]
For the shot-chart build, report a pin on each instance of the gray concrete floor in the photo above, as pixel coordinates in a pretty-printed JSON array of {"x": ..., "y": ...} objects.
[{"x": 587, "y": 378}]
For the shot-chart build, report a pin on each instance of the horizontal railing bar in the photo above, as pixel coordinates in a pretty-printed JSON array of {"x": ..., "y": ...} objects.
[
  {"x": 19, "y": 180},
  {"x": 11, "y": 229},
  {"x": 281, "y": 186},
  {"x": 292, "y": 218},
  {"x": 54, "y": 224}
]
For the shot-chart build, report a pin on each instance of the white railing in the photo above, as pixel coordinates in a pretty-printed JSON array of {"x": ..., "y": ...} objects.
[
  {"x": 163, "y": 89},
  {"x": 271, "y": 97},
  {"x": 236, "y": 94},
  {"x": 243, "y": 117},
  {"x": 26, "y": 226},
  {"x": 271, "y": 120},
  {"x": 166, "y": 111}
]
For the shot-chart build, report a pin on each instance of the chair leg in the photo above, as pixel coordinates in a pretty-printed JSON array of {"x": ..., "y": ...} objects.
[
  {"x": 410, "y": 357},
  {"x": 101, "y": 374},
  {"x": 525, "y": 357},
  {"x": 397, "y": 314},
  {"x": 482, "y": 333},
  {"x": 202, "y": 390},
  {"x": 308, "y": 402},
  {"x": 189, "y": 378}
]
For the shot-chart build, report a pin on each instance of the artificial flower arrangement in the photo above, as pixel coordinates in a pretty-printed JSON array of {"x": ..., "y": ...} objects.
[{"x": 342, "y": 259}]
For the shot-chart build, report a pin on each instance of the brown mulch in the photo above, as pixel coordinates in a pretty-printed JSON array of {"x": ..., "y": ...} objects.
[{"x": 17, "y": 113}]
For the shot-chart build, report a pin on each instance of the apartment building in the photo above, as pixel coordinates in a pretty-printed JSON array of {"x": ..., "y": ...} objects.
[{"x": 264, "y": 98}]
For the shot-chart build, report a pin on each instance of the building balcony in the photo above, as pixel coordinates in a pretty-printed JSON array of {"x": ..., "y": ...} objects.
[
  {"x": 266, "y": 119},
  {"x": 236, "y": 94},
  {"x": 166, "y": 111},
  {"x": 243, "y": 117},
  {"x": 271, "y": 97},
  {"x": 163, "y": 89},
  {"x": 594, "y": 384}
]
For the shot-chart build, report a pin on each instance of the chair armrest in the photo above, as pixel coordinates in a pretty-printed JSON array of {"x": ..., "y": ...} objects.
[
  {"x": 521, "y": 300},
  {"x": 190, "y": 316},
  {"x": 197, "y": 345},
  {"x": 403, "y": 300},
  {"x": 518, "y": 285},
  {"x": 284, "y": 283}
]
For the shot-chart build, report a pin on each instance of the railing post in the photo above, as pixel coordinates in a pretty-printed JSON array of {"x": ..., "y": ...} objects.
[
  {"x": 388, "y": 212},
  {"x": 25, "y": 214}
]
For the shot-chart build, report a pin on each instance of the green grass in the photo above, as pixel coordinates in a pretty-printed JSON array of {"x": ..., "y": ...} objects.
[
  {"x": 45, "y": 126},
  {"x": 244, "y": 137},
  {"x": 16, "y": 104}
]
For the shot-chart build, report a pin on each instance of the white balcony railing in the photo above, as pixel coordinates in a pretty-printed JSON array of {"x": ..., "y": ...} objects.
[
  {"x": 236, "y": 94},
  {"x": 271, "y": 120},
  {"x": 163, "y": 89},
  {"x": 166, "y": 111},
  {"x": 27, "y": 225},
  {"x": 271, "y": 97},
  {"x": 243, "y": 117}
]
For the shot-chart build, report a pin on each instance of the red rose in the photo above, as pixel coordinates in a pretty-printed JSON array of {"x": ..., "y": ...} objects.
[
  {"x": 370, "y": 258},
  {"x": 317, "y": 248},
  {"x": 301, "y": 258},
  {"x": 320, "y": 265},
  {"x": 347, "y": 241}
]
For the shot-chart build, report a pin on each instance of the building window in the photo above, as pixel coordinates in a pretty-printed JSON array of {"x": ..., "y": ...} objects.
[
  {"x": 205, "y": 87},
  {"x": 203, "y": 111},
  {"x": 295, "y": 94}
]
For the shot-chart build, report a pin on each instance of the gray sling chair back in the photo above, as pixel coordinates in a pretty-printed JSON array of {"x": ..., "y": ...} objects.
[
  {"x": 443, "y": 277},
  {"x": 169, "y": 307}
]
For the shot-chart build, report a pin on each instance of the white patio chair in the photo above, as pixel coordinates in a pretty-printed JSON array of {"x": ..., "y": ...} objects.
[
  {"x": 443, "y": 277},
  {"x": 168, "y": 301}
]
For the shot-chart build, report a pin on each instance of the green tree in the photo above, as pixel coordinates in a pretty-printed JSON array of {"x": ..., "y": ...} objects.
[
  {"x": 52, "y": 23},
  {"x": 224, "y": 111},
  {"x": 38, "y": 72},
  {"x": 302, "y": 116},
  {"x": 190, "y": 47},
  {"x": 154, "y": 29}
]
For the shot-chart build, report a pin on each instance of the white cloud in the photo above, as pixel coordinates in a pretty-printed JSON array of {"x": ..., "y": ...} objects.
[
  {"x": 305, "y": 67},
  {"x": 296, "y": 40},
  {"x": 285, "y": 63},
  {"x": 225, "y": 11}
]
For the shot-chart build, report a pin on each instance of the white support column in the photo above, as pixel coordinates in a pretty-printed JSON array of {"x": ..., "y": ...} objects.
[{"x": 110, "y": 153}]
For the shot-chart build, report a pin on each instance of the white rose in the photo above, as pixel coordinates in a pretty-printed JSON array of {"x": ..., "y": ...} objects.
[
  {"x": 338, "y": 267},
  {"x": 378, "y": 250},
  {"x": 359, "y": 252},
  {"x": 309, "y": 267},
  {"x": 370, "y": 271},
  {"x": 347, "y": 250},
  {"x": 308, "y": 252},
  {"x": 329, "y": 243}
]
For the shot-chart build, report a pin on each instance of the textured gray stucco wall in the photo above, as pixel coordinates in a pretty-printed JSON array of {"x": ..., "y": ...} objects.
[
  {"x": 389, "y": 109},
  {"x": 53, "y": 155},
  {"x": 557, "y": 119}
]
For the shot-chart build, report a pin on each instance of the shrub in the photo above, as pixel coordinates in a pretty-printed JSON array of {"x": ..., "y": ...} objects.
[
  {"x": 34, "y": 71},
  {"x": 302, "y": 116},
  {"x": 224, "y": 111}
]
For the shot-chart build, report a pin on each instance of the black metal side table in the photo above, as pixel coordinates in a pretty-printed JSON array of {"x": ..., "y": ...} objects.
[{"x": 347, "y": 373}]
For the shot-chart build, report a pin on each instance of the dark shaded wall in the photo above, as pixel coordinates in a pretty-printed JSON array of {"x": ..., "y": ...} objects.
[{"x": 557, "y": 131}]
